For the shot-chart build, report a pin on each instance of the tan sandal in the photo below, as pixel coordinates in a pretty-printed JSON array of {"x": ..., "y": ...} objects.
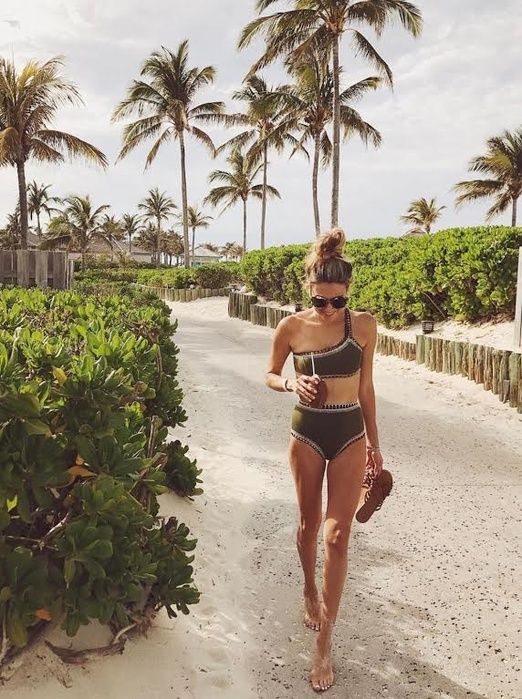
[{"x": 379, "y": 489}]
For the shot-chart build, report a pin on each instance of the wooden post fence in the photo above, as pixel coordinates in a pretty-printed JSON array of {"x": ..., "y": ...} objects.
[
  {"x": 518, "y": 307},
  {"x": 44, "y": 268}
]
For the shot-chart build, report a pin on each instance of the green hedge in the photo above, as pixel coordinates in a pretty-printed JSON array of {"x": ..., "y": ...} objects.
[
  {"x": 464, "y": 273},
  {"x": 212, "y": 276},
  {"x": 88, "y": 390}
]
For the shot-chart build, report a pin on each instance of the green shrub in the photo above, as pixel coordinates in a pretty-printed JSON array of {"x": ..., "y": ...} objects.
[
  {"x": 88, "y": 390},
  {"x": 217, "y": 275},
  {"x": 464, "y": 273}
]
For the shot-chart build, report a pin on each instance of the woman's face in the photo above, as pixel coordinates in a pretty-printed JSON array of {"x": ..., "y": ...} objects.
[{"x": 328, "y": 290}]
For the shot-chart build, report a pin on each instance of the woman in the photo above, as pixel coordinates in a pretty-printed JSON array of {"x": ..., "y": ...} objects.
[{"x": 334, "y": 420}]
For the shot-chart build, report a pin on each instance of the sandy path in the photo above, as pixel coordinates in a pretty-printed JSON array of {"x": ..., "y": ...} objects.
[{"x": 432, "y": 597}]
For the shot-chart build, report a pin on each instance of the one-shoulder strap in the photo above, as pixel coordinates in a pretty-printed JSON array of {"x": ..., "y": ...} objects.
[{"x": 348, "y": 324}]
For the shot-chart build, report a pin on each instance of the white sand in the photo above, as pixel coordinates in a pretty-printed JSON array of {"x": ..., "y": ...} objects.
[{"x": 432, "y": 595}]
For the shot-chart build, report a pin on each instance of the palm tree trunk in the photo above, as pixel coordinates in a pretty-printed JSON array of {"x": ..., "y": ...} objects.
[
  {"x": 158, "y": 241},
  {"x": 193, "y": 242},
  {"x": 263, "y": 207},
  {"x": 315, "y": 177},
  {"x": 130, "y": 244},
  {"x": 336, "y": 134},
  {"x": 244, "y": 224},
  {"x": 38, "y": 227},
  {"x": 184, "y": 200},
  {"x": 83, "y": 259},
  {"x": 514, "y": 212},
  {"x": 22, "y": 198}
]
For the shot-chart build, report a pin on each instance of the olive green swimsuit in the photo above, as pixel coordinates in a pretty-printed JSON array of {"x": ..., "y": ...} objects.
[{"x": 332, "y": 428}]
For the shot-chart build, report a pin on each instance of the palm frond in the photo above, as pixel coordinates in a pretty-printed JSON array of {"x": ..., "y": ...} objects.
[
  {"x": 72, "y": 145},
  {"x": 365, "y": 49}
]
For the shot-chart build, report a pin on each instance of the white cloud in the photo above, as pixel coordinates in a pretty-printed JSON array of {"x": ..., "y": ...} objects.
[{"x": 454, "y": 87}]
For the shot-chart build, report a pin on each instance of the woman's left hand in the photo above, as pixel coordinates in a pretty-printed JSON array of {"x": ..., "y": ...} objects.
[{"x": 374, "y": 462}]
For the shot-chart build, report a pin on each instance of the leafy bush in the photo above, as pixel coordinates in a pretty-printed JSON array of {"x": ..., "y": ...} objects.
[
  {"x": 88, "y": 390},
  {"x": 217, "y": 275},
  {"x": 212, "y": 276},
  {"x": 465, "y": 273}
]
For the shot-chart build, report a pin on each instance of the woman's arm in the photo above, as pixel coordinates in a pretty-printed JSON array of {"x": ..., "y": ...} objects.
[
  {"x": 280, "y": 350},
  {"x": 304, "y": 386},
  {"x": 366, "y": 389}
]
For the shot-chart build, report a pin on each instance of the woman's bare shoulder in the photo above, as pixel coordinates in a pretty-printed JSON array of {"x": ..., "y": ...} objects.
[
  {"x": 292, "y": 324},
  {"x": 365, "y": 325}
]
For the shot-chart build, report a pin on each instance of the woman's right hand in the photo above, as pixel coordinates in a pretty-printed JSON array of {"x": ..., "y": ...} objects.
[{"x": 305, "y": 387}]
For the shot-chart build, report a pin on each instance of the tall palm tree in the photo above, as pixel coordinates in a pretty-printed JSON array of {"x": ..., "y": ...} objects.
[
  {"x": 264, "y": 127},
  {"x": 197, "y": 219},
  {"x": 310, "y": 100},
  {"x": 29, "y": 100},
  {"x": 421, "y": 216},
  {"x": 77, "y": 226},
  {"x": 164, "y": 100},
  {"x": 503, "y": 162},
  {"x": 131, "y": 225},
  {"x": 157, "y": 207},
  {"x": 112, "y": 230},
  {"x": 39, "y": 201},
  {"x": 322, "y": 23},
  {"x": 238, "y": 184}
]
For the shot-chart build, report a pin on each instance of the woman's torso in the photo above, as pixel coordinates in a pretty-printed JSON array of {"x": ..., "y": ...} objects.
[{"x": 337, "y": 359}]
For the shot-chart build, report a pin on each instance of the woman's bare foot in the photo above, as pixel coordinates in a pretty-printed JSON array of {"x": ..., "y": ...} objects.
[
  {"x": 322, "y": 675},
  {"x": 312, "y": 611}
]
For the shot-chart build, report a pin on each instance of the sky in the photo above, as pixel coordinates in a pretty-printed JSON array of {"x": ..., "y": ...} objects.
[{"x": 454, "y": 87}]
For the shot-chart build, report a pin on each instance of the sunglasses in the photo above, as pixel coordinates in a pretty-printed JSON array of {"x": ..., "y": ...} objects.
[{"x": 335, "y": 301}]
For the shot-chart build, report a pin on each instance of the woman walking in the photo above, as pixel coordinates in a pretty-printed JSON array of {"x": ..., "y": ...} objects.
[{"x": 333, "y": 421}]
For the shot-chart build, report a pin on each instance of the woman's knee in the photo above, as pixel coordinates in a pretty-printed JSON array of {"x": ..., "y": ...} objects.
[
  {"x": 336, "y": 534},
  {"x": 309, "y": 525}
]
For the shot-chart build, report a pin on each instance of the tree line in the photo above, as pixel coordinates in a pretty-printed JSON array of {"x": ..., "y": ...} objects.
[{"x": 312, "y": 111}]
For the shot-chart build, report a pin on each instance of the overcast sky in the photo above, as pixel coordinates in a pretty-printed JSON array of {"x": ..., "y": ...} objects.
[{"x": 455, "y": 86}]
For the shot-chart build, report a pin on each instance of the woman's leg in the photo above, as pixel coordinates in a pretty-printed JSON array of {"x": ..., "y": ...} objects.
[
  {"x": 308, "y": 470},
  {"x": 345, "y": 474}
]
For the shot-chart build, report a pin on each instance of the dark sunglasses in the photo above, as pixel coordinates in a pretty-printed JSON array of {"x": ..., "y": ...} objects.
[{"x": 335, "y": 302}]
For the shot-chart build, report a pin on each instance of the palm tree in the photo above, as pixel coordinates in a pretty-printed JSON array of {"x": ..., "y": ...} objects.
[
  {"x": 131, "y": 225},
  {"x": 322, "y": 23},
  {"x": 77, "y": 226},
  {"x": 148, "y": 239},
  {"x": 197, "y": 219},
  {"x": 10, "y": 235},
  {"x": 157, "y": 207},
  {"x": 28, "y": 104},
  {"x": 265, "y": 128},
  {"x": 238, "y": 185},
  {"x": 174, "y": 245},
  {"x": 237, "y": 251},
  {"x": 39, "y": 201},
  {"x": 112, "y": 230},
  {"x": 310, "y": 100},
  {"x": 503, "y": 162},
  {"x": 421, "y": 215},
  {"x": 166, "y": 110}
]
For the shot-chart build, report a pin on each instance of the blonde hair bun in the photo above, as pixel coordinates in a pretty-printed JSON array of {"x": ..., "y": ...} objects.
[
  {"x": 330, "y": 244},
  {"x": 326, "y": 262}
]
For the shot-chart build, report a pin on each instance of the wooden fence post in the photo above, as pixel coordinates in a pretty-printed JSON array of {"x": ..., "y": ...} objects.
[{"x": 518, "y": 307}]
